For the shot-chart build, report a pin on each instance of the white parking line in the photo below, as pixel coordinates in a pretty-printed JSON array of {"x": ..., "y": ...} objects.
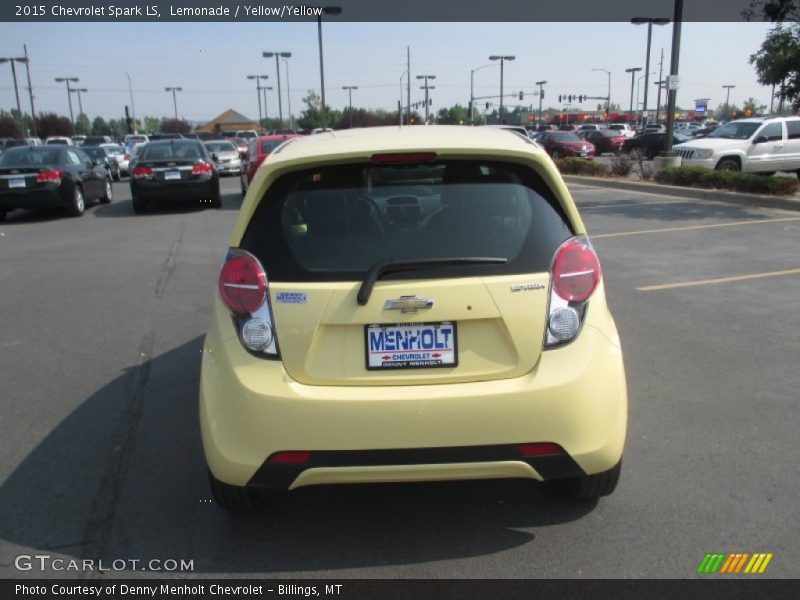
[
  {"x": 667, "y": 286},
  {"x": 693, "y": 227}
]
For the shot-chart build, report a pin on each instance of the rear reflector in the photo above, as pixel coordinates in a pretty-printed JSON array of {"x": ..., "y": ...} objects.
[
  {"x": 289, "y": 458},
  {"x": 49, "y": 176},
  {"x": 540, "y": 449},
  {"x": 396, "y": 158}
]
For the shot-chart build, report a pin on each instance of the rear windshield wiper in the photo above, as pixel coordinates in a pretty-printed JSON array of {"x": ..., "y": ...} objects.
[{"x": 391, "y": 266}]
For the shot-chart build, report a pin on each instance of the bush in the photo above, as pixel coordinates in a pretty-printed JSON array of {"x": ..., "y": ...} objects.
[
  {"x": 621, "y": 165},
  {"x": 580, "y": 166},
  {"x": 727, "y": 180}
]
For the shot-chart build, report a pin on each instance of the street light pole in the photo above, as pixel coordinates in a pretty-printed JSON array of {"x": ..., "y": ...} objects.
[
  {"x": 69, "y": 95},
  {"x": 30, "y": 89},
  {"x": 502, "y": 59},
  {"x": 258, "y": 93},
  {"x": 328, "y": 10},
  {"x": 289, "y": 95},
  {"x": 277, "y": 56},
  {"x": 541, "y": 96},
  {"x": 174, "y": 98},
  {"x": 632, "y": 71},
  {"x": 472, "y": 87},
  {"x": 728, "y": 98},
  {"x": 264, "y": 89},
  {"x": 650, "y": 22},
  {"x": 608, "y": 98},
  {"x": 426, "y": 87},
  {"x": 660, "y": 83}
]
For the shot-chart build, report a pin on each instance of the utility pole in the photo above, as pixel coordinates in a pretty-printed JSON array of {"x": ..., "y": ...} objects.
[
  {"x": 502, "y": 59},
  {"x": 69, "y": 95},
  {"x": 264, "y": 89},
  {"x": 350, "y": 89},
  {"x": 660, "y": 84},
  {"x": 133, "y": 108},
  {"x": 674, "y": 59},
  {"x": 408, "y": 85},
  {"x": 728, "y": 99},
  {"x": 277, "y": 56},
  {"x": 80, "y": 103},
  {"x": 174, "y": 98},
  {"x": 16, "y": 92},
  {"x": 426, "y": 87},
  {"x": 30, "y": 90},
  {"x": 289, "y": 96},
  {"x": 632, "y": 71}
]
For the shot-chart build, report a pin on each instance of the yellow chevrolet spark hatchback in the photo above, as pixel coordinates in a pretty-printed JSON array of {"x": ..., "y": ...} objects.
[{"x": 410, "y": 304}]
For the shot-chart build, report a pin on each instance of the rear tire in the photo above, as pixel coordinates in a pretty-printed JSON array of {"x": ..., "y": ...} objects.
[
  {"x": 234, "y": 498},
  {"x": 78, "y": 203},
  {"x": 109, "y": 194},
  {"x": 591, "y": 487},
  {"x": 139, "y": 205}
]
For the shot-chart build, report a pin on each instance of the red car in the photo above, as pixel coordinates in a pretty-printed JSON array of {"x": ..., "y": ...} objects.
[
  {"x": 259, "y": 149},
  {"x": 604, "y": 140},
  {"x": 559, "y": 144}
]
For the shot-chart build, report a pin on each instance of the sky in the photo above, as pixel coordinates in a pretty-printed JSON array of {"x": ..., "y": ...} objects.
[{"x": 210, "y": 61}]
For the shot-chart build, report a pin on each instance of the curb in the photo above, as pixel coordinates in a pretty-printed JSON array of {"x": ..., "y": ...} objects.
[{"x": 785, "y": 203}]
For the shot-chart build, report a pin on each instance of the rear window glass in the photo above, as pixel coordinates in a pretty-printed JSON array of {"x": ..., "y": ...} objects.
[
  {"x": 220, "y": 147},
  {"x": 267, "y": 146},
  {"x": 168, "y": 151},
  {"x": 29, "y": 156},
  {"x": 793, "y": 129},
  {"x": 333, "y": 223}
]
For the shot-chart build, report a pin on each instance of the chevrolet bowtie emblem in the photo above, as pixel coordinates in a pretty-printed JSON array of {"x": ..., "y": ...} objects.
[{"x": 408, "y": 304}]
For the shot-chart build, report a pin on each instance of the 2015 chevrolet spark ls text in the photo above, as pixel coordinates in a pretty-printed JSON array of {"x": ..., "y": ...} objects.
[{"x": 410, "y": 304}]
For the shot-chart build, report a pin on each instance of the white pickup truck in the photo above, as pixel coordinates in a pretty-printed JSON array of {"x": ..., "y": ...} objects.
[{"x": 758, "y": 145}]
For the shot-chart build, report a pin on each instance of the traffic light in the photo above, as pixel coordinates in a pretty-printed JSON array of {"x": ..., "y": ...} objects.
[
  {"x": 520, "y": 95},
  {"x": 430, "y": 101},
  {"x": 559, "y": 98},
  {"x": 580, "y": 98},
  {"x": 570, "y": 97},
  {"x": 541, "y": 94},
  {"x": 487, "y": 106}
]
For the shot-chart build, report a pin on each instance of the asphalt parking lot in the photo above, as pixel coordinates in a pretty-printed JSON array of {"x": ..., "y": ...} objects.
[{"x": 102, "y": 321}]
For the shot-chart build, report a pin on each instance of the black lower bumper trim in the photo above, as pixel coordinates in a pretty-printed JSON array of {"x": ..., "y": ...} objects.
[{"x": 281, "y": 476}]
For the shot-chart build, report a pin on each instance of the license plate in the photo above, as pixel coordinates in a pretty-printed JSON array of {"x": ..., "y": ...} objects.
[
  {"x": 171, "y": 175},
  {"x": 411, "y": 346},
  {"x": 16, "y": 182},
  {"x": 584, "y": 154}
]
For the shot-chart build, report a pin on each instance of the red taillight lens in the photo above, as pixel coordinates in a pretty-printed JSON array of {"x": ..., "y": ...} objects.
[
  {"x": 243, "y": 283},
  {"x": 576, "y": 271},
  {"x": 202, "y": 167},
  {"x": 289, "y": 458},
  {"x": 126, "y": 157},
  {"x": 139, "y": 172},
  {"x": 540, "y": 449},
  {"x": 49, "y": 176}
]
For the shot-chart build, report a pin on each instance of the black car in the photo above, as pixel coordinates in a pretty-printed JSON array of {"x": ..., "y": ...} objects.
[
  {"x": 51, "y": 176},
  {"x": 650, "y": 145},
  {"x": 703, "y": 132},
  {"x": 154, "y": 137},
  {"x": 179, "y": 170},
  {"x": 105, "y": 158}
]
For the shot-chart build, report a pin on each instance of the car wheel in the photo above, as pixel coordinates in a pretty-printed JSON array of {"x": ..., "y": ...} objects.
[
  {"x": 109, "y": 195},
  {"x": 728, "y": 164},
  {"x": 78, "y": 203},
  {"x": 555, "y": 154},
  {"x": 235, "y": 498},
  {"x": 590, "y": 487},
  {"x": 139, "y": 205}
]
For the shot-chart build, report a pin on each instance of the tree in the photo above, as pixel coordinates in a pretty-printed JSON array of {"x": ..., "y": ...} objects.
[
  {"x": 9, "y": 127},
  {"x": 48, "y": 124},
  {"x": 311, "y": 117},
  {"x": 82, "y": 125},
  {"x": 777, "y": 62},
  {"x": 175, "y": 126},
  {"x": 752, "y": 107},
  {"x": 151, "y": 124},
  {"x": 455, "y": 115},
  {"x": 775, "y": 11}
]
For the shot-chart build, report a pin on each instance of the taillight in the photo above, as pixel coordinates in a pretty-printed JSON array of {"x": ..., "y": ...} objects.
[
  {"x": 242, "y": 283},
  {"x": 576, "y": 271},
  {"x": 49, "y": 176},
  {"x": 141, "y": 172},
  {"x": 202, "y": 168},
  {"x": 289, "y": 458},
  {"x": 575, "y": 274},
  {"x": 243, "y": 288}
]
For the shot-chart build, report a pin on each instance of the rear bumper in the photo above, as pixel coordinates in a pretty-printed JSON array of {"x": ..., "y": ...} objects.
[
  {"x": 175, "y": 191},
  {"x": 47, "y": 198},
  {"x": 251, "y": 409}
]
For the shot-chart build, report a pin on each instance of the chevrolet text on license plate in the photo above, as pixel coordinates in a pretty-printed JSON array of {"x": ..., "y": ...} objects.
[{"x": 411, "y": 346}]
